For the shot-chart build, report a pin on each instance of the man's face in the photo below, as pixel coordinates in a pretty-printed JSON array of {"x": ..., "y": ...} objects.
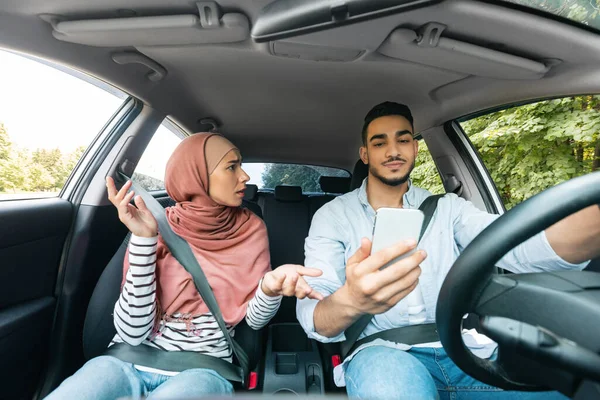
[{"x": 390, "y": 150}]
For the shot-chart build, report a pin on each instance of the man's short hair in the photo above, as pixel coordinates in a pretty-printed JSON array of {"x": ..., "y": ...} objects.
[{"x": 383, "y": 110}]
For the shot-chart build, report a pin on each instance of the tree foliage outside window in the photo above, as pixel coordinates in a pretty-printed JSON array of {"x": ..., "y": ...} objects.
[
  {"x": 40, "y": 170},
  {"x": 530, "y": 148}
]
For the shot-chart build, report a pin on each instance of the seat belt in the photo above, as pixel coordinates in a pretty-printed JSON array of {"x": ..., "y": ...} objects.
[
  {"x": 182, "y": 360},
  {"x": 428, "y": 207}
]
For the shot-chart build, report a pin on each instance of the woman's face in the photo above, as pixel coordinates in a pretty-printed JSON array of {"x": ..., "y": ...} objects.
[{"x": 227, "y": 182}]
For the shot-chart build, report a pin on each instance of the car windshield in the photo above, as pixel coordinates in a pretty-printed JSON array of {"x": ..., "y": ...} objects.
[{"x": 582, "y": 11}]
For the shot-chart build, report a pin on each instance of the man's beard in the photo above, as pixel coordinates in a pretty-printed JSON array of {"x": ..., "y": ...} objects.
[{"x": 395, "y": 181}]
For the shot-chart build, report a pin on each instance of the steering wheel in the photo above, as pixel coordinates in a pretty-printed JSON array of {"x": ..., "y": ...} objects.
[{"x": 551, "y": 319}]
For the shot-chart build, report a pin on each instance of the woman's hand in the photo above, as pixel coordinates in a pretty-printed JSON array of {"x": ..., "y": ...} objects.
[
  {"x": 287, "y": 280},
  {"x": 140, "y": 220}
]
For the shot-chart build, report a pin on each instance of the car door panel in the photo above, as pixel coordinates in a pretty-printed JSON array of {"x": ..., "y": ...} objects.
[
  {"x": 32, "y": 236},
  {"x": 97, "y": 235},
  {"x": 24, "y": 346}
]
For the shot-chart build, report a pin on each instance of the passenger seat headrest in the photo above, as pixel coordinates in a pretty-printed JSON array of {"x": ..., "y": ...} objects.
[
  {"x": 250, "y": 192},
  {"x": 334, "y": 184},
  {"x": 361, "y": 171},
  {"x": 288, "y": 193}
]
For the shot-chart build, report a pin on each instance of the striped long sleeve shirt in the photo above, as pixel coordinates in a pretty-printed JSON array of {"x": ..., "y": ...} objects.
[{"x": 135, "y": 312}]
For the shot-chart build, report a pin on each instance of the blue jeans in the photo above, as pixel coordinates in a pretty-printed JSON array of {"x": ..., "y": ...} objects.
[
  {"x": 379, "y": 372},
  {"x": 105, "y": 377}
]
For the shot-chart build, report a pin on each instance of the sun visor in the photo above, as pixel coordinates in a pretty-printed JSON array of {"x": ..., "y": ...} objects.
[
  {"x": 430, "y": 46},
  {"x": 207, "y": 27}
]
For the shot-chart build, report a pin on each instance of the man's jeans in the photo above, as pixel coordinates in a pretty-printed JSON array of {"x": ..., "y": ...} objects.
[
  {"x": 105, "y": 377},
  {"x": 380, "y": 372}
]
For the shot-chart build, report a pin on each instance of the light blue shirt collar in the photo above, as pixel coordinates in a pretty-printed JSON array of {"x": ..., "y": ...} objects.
[{"x": 409, "y": 200}]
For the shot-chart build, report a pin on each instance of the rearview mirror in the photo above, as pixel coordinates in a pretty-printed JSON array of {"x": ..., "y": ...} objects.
[{"x": 287, "y": 18}]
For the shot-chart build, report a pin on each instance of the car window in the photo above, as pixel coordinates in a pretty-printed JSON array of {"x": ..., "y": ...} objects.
[
  {"x": 49, "y": 115},
  {"x": 269, "y": 175},
  {"x": 426, "y": 175},
  {"x": 532, "y": 147},
  {"x": 150, "y": 170},
  {"x": 585, "y": 12}
]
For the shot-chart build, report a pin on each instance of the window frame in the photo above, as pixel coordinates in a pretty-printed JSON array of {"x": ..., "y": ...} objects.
[
  {"x": 477, "y": 168},
  {"x": 176, "y": 130},
  {"x": 89, "y": 163},
  {"x": 174, "y": 127}
]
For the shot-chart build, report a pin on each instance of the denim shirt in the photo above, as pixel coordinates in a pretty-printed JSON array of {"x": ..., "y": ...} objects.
[{"x": 339, "y": 225}]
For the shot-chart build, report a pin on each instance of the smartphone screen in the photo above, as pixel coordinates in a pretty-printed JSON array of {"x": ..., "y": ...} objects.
[{"x": 393, "y": 225}]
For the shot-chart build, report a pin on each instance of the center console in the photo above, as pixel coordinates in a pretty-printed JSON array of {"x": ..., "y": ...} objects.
[{"x": 292, "y": 362}]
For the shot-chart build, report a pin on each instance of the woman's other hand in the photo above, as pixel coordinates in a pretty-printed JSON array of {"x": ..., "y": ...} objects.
[
  {"x": 287, "y": 280},
  {"x": 139, "y": 220}
]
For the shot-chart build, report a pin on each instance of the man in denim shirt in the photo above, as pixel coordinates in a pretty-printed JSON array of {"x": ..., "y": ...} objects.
[{"x": 355, "y": 286}]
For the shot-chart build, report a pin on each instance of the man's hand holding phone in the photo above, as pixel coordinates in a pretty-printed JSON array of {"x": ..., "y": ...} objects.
[
  {"x": 377, "y": 282},
  {"x": 371, "y": 290}
]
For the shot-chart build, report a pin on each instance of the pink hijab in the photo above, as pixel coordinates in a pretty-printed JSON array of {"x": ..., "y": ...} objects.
[{"x": 230, "y": 243}]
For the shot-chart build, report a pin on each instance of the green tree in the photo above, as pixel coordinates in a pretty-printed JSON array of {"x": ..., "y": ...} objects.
[
  {"x": 12, "y": 177},
  {"x": 583, "y": 11},
  {"x": 147, "y": 182},
  {"x": 5, "y": 144},
  {"x": 328, "y": 171},
  {"x": 73, "y": 158},
  {"x": 11, "y": 174},
  {"x": 47, "y": 170},
  {"x": 40, "y": 170},
  {"x": 530, "y": 148},
  {"x": 39, "y": 179},
  {"x": 290, "y": 174},
  {"x": 425, "y": 175},
  {"x": 50, "y": 159},
  {"x": 51, "y": 166},
  {"x": 67, "y": 165}
]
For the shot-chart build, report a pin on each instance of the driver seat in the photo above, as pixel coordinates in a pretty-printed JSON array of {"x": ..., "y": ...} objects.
[{"x": 98, "y": 329}]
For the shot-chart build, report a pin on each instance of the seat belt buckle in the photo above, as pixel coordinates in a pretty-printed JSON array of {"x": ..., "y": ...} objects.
[
  {"x": 252, "y": 380},
  {"x": 336, "y": 360}
]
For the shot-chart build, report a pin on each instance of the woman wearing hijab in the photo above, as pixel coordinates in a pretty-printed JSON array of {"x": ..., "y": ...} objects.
[{"x": 159, "y": 305}]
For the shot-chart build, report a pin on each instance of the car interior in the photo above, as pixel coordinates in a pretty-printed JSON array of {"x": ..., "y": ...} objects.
[{"x": 287, "y": 82}]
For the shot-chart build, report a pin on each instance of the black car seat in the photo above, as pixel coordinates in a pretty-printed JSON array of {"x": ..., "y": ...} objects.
[
  {"x": 361, "y": 171},
  {"x": 335, "y": 184},
  {"x": 250, "y": 200},
  {"x": 594, "y": 265},
  {"x": 98, "y": 329},
  {"x": 286, "y": 214},
  {"x": 332, "y": 186}
]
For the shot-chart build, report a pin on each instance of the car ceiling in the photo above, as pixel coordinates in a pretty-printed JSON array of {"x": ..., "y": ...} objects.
[{"x": 295, "y": 110}]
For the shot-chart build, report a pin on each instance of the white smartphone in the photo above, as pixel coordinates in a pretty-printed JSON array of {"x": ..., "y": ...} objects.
[{"x": 393, "y": 225}]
